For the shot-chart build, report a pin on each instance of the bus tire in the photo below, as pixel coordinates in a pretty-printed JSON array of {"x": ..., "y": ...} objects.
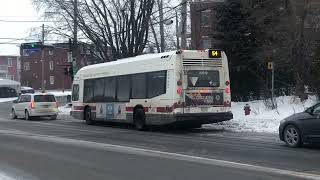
[
  {"x": 139, "y": 119},
  {"x": 87, "y": 116}
]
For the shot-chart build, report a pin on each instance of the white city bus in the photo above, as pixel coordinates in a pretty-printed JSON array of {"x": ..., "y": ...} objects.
[{"x": 190, "y": 87}]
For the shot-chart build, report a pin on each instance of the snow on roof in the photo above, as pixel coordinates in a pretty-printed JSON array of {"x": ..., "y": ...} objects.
[
  {"x": 8, "y": 82},
  {"x": 126, "y": 60},
  {"x": 26, "y": 88}
]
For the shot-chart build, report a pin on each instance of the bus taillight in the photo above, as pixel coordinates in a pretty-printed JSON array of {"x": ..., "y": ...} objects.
[
  {"x": 227, "y": 83},
  {"x": 227, "y": 90},
  {"x": 179, "y": 90}
]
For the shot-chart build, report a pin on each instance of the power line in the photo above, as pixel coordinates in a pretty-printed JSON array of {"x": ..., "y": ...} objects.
[{"x": 26, "y": 21}]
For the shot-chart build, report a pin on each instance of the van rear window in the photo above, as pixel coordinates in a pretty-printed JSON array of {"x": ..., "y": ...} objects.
[{"x": 44, "y": 98}]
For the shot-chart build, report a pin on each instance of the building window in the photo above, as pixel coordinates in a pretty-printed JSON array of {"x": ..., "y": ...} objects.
[
  {"x": 205, "y": 17},
  {"x": 9, "y": 62},
  {"x": 11, "y": 77},
  {"x": 51, "y": 80},
  {"x": 206, "y": 43},
  {"x": 26, "y": 66},
  {"x": 51, "y": 65},
  {"x": 50, "y": 52}
]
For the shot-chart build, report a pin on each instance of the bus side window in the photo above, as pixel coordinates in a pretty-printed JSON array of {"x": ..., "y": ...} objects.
[
  {"x": 123, "y": 89},
  {"x": 88, "y": 91},
  {"x": 139, "y": 86},
  {"x": 110, "y": 89},
  {"x": 157, "y": 83},
  {"x": 75, "y": 92}
]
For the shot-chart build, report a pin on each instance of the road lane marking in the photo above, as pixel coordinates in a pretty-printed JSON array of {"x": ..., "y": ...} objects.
[{"x": 159, "y": 154}]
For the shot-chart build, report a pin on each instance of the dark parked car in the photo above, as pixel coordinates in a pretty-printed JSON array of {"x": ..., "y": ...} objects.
[{"x": 301, "y": 128}]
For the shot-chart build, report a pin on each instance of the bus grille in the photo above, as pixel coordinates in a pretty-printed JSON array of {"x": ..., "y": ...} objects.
[{"x": 202, "y": 62}]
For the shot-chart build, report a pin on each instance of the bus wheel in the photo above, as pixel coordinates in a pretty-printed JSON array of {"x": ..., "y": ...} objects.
[
  {"x": 87, "y": 115},
  {"x": 139, "y": 119}
]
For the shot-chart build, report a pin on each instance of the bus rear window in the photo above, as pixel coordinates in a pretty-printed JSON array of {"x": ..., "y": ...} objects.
[
  {"x": 203, "y": 78},
  {"x": 44, "y": 98}
]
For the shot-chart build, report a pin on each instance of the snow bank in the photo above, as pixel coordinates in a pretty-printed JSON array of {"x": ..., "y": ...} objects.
[
  {"x": 262, "y": 119},
  {"x": 4, "y": 176},
  {"x": 7, "y": 99},
  {"x": 64, "y": 110}
]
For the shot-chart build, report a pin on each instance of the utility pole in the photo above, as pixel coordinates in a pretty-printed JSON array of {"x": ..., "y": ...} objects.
[
  {"x": 184, "y": 24},
  {"x": 272, "y": 86},
  {"x": 75, "y": 37},
  {"x": 42, "y": 61},
  {"x": 177, "y": 31},
  {"x": 162, "y": 42}
]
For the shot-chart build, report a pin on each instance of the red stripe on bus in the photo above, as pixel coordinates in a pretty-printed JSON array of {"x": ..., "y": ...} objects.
[
  {"x": 130, "y": 109},
  {"x": 78, "y": 108}
]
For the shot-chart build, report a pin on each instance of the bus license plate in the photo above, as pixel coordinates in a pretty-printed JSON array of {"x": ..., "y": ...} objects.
[{"x": 204, "y": 109}]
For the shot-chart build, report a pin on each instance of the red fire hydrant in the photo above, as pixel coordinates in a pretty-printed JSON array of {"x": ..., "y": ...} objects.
[{"x": 247, "y": 110}]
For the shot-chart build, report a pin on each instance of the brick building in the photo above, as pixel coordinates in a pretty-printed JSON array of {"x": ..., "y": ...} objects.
[
  {"x": 203, "y": 23},
  {"x": 55, "y": 60},
  {"x": 10, "y": 67}
]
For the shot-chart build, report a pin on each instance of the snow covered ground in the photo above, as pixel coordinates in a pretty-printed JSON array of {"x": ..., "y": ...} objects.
[
  {"x": 7, "y": 99},
  {"x": 262, "y": 119}
]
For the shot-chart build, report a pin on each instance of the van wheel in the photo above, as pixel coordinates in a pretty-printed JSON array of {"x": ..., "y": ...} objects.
[
  {"x": 54, "y": 117},
  {"x": 88, "y": 117},
  {"x": 139, "y": 119},
  {"x": 26, "y": 115},
  {"x": 13, "y": 114}
]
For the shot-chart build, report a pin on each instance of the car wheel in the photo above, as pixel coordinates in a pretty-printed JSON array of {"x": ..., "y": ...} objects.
[
  {"x": 139, "y": 119},
  {"x": 27, "y": 116},
  {"x": 88, "y": 116},
  {"x": 292, "y": 136},
  {"x": 13, "y": 114},
  {"x": 54, "y": 117}
]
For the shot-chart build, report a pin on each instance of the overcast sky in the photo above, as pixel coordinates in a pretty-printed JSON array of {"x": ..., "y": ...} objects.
[{"x": 15, "y": 10}]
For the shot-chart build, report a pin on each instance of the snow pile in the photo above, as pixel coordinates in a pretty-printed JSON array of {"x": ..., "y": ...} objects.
[
  {"x": 7, "y": 99},
  {"x": 261, "y": 119},
  {"x": 64, "y": 110}
]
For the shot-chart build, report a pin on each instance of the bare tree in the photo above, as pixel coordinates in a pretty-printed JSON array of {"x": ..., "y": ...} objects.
[{"x": 117, "y": 26}]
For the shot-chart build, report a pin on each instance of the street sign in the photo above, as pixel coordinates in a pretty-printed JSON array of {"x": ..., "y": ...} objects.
[
  {"x": 270, "y": 65},
  {"x": 27, "y": 52}
]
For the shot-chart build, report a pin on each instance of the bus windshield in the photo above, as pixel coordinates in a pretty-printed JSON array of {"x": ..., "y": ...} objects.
[{"x": 203, "y": 78}]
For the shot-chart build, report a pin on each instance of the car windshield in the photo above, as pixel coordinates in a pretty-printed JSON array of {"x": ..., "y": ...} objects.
[{"x": 44, "y": 98}]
